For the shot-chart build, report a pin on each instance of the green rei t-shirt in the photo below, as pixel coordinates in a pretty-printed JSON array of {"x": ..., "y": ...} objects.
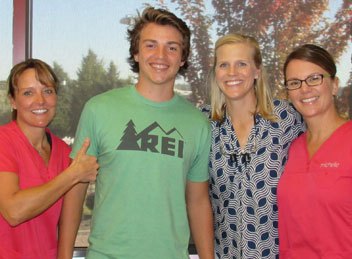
[{"x": 146, "y": 152}]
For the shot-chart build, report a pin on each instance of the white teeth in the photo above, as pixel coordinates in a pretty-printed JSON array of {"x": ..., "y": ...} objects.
[
  {"x": 159, "y": 66},
  {"x": 40, "y": 111},
  {"x": 233, "y": 82},
  {"x": 309, "y": 100}
]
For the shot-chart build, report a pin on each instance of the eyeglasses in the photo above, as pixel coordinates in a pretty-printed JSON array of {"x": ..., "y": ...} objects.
[{"x": 312, "y": 80}]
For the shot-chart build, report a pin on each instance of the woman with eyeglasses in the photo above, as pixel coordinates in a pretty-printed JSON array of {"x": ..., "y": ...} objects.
[
  {"x": 251, "y": 134},
  {"x": 314, "y": 194}
]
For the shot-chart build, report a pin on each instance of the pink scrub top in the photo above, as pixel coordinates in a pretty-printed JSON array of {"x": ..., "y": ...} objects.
[
  {"x": 37, "y": 237},
  {"x": 315, "y": 199}
]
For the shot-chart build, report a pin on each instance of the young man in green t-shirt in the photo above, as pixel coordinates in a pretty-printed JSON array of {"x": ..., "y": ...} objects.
[{"x": 152, "y": 147}]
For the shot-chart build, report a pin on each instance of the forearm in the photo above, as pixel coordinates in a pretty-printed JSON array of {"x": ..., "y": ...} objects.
[
  {"x": 23, "y": 204},
  {"x": 201, "y": 224},
  {"x": 70, "y": 220},
  {"x": 200, "y": 218},
  {"x": 18, "y": 205}
]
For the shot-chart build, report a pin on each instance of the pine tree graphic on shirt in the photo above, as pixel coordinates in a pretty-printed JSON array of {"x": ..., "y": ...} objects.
[
  {"x": 129, "y": 138},
  {"x": 153, "y": 139}
]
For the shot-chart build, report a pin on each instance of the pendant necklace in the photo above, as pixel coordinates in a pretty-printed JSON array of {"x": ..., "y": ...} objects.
[
  {"x": 242, "y": 156},
  {"x": 41, "y": 153}
]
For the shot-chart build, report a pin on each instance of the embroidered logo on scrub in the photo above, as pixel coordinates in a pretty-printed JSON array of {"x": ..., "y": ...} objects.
[
  {"x": 153, "y": 138},
  {"x": 330, "y": 165}
]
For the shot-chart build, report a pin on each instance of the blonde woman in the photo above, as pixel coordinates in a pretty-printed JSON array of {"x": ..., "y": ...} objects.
[{"x": 251, "y": 135}]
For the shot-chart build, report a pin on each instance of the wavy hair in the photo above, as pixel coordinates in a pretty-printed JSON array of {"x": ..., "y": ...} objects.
[{"x": 160, "y": 17}]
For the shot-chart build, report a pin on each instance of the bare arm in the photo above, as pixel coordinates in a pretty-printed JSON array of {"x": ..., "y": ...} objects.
[
  {"x": 18, "y": 205},
  {"x": 200, "y": 218},
  {"x": 70, "y": 220}
]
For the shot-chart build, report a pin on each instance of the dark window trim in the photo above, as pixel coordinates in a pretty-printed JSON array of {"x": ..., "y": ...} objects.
[{"x": 22, "y": 30}]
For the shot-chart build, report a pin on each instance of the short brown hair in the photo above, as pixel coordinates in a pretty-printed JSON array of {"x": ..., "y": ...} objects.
[
  {"x": 160, "y": 17},
  {"x": 319, "y": 56},
  {"x": 313, "y": 54}
]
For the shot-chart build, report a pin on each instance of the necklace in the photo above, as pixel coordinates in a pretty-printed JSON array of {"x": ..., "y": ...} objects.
[
  {"x": 238, "y": 155},
  {"x": 43, "y": 152}
]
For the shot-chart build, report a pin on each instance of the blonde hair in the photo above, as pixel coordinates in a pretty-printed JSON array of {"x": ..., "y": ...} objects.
[{"x": 262, "y": 89}]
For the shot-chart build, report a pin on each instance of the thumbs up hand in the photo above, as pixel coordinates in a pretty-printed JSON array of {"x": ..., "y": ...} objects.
[{"x": 84, "y": 166}]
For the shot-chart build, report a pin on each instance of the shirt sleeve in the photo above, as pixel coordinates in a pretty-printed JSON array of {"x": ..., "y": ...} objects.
[
  {"x": 8, "y": 161},
  {"x": 206, "y": 110},
  {"x": 199, "y": 171},
  {"x": 85, "y": 129},
  {"x": 298, "y": 126}
]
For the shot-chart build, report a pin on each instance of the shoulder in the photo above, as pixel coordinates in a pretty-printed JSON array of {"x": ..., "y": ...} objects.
[
  {"x": 107, "y": 96},
  {"x": 283, "y": 107},
  {"x": 106, "y": 100},
  {"x": 12, "y": 141},
  {"x": 190, "y": 110},
  {"x": 206, "y": 110},
  {"x": 346, "y": 129},
  {"x": 298, "y": 143},
  {"x": 59, "y": 142},
  {"x": 288, "y": 120},
  {"x": 349, "y": 125},
  {"x": 9, "y": 130}
]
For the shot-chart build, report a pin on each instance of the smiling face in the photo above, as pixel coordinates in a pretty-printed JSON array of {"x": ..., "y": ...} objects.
[
  {"x": 159, "y": 55},
  {"x": 235, "y": 71},
  {"x": 35, "y": 103},
  {"x": 311, "y": 101}
]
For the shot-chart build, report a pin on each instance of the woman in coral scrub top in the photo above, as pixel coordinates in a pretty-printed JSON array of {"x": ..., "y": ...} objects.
[
  {"x": 315, "y": 190},
  {"x": 36, "y": 171}
]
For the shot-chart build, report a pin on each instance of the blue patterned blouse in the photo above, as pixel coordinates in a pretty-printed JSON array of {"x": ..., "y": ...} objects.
[{"x": 243, "y": 183}]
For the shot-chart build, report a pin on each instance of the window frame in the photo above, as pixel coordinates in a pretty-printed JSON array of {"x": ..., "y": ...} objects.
[
  {"x": 22, "y": 50},
  {"x": 22, "y": 30}
]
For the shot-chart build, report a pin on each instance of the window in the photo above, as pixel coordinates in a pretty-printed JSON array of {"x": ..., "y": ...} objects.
[
  {"x": 74, "y": 36},
  {"x": 5, "y": 56}
]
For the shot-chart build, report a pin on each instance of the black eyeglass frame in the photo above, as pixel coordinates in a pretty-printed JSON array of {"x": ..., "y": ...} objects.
[{"x": 321, "y": 76}]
